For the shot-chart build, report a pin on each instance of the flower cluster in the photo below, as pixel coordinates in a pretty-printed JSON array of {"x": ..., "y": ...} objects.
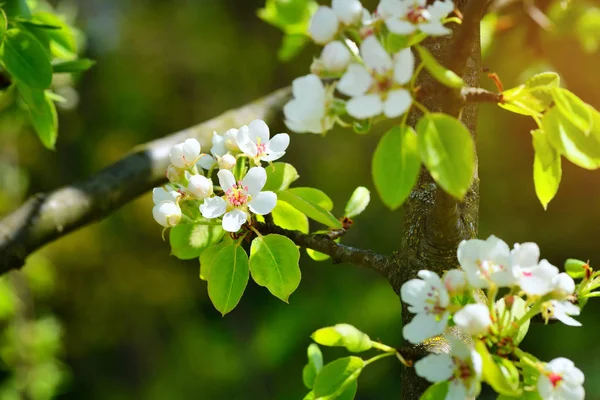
[
  {"x": 519, "y": 286},
  {"x": 369, "y": 57},
  {"x": 237, "y": 155}
]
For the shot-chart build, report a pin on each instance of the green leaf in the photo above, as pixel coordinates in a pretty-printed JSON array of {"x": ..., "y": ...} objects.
[
  {"x": 518, "y": 309},
  {"x": 358, "y": 202},
  {"x": 396, "y": 165},
  {"x": 440, "y": 73},
  {"x": 313, "y": 195},
  {"x": 291, "y": 16},
  {"x": 576, "y": 268},
  {"x": 337, "y": 376},
  {"x": 394, "y": 43},
  {"x": 493, "y": 375},
  {"x": 189, "y": 240},
  {"x": 62, "y": 41},
  {"x": 274, "y": 264},
  {"x": 42, "y": 113},
  {"x": 362, "y": 127},
  {"x": 228, "y": 277},
  {"x": 291, "y": 46},
  {"x": 82, "y": 64},
  {"x": 207, "y": 259},
  {"x": 573, "y": 109},
  {"x": 587, "y": 28},
  {"x": 526, "y": 395},
  {"x": 437, "y": 391},
  {"x": 314, "y": 366},
  {"x": 343, "y": 335},
  {"x": 309, "y": 396},
  {"x": 317, "y": 255},
  {"x": 25, "y": 59},
  {"x": 581, "y": 149},
  {"x": 547, "y": 169},
  {"x": 544, "y": 79},
  {"x": 448, "y": 152},
  {"x": 16, "y": 8},
  {"x": 311, "y": 209},
  {"x": 3, "y": 23},
  {"x": 280, "y": 176},
  {"x": 288, "y": 217}
]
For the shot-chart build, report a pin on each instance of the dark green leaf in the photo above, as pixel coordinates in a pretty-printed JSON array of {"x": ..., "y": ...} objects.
[
  {"x": 343, "y": 335},
  {"x": 437, "y": 391},
  {"x": 312, "y": 210},
  {"x": 16, "y": 8},
  {"x": 448, "y": 152},
  {"x": 228, "y": 277},
  {"x": 189, "y": 240},
  {"x": 547, "y": 169},
  {"x": 274, "y": 264},
  {"x": 337, "y": 376},
  {"x": 42, "y": 113},
  {"x": 396, "y": 165},
  {"x": 280, "y": 176},
  {"x": 82, "y": 64},
  {"x": 25, "y": 59},
  {"x": 439, "y": 72}
]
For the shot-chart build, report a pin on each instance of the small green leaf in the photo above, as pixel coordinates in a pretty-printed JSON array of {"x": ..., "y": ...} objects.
[
  {"x": 207, "y": 259},
  {"x": 394, "y": 43},
  {"x": 358, "y": 202},
  {"x": 362, "y": 127},
  {"x": 25, "y": 59},
  {"x": 576, "y": 268},
  {"x": 343, "y": 335},
  {"x": 337, "y": 376},
  {"x": 274, "y": 264},
  {"x": 287, "y": 217},
  {"x": 448, "y": 152},
  {"x": 228, "y": 277},
  {"x": 437, "y": 391},
  {"x": 440, "y": 73},
  {"x": 574, "y": 109},
  {"x": 313, "y": 195},
  {"x": 518, "y": 309},
  {"x": 493, "y": 375},
  {"x": 82, "y": 64},
  {"x": 62, "y": 41},
  {"x": 189, "y": 240},
  {"x": 547, "y": 169},
  {"x": 291, "y": 46},
  {"x": 317, "y": 255},
  {"x": 309, "y": 396},
  {"x": 280, "y": 176},
  {"x": 396, "y": 165},
  {"x": 311, "y": 209},
  {"x": 544, "y": 79},
  {"x": 42, "y": 113},
  {"x": 3, "y": 23},
  {"x": 313, "y": 367}
]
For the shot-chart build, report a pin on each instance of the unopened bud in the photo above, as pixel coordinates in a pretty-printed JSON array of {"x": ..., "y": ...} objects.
[
  {"x": 200, "y": 186},
  {"x": 227, "y": 162},
  {"x": 161, "y": 194},
  {"x": 335, "y": 57},
  {"x": 348, "y": 11},
  {"x": 323, "y": 25},
  {"x": 167, "y": 213},
  {"x": 174, "y": 174},
  {"x": 183, "y": 155}
]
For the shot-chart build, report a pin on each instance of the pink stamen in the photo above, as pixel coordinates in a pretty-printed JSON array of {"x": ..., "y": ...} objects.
[
  {"x": 237, "y": 195},
  {"x": 417, "y": 14},
  {"x": 555, "y": 378}
]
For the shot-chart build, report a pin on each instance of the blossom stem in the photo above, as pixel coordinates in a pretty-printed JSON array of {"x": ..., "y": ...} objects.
[
  {"x": 421, "y": 107},
  {"x": 378, "y": 357},
  {"x": 383, "y": 347}
]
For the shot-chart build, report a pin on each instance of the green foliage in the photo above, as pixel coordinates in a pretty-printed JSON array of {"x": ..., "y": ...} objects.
[
  {"x": 547, "y": 169},
  {"x": 533, "y": 97},
  {"x": 42, "y": 112},
  {"x": 396, "y": 165},
  {"x": 343, "y": 335},
  {"x": 448, "y": 152},
  {"x": 313, "y": 367},
  {"x": 315, "y": 196},
  {"x": 280, "y": 176},
  {"x": 496, "y": 373},
  {"x": 286, "y": 216},
  {"x": 227, "y": 277},
  {"x": 80, "y": 65},
  {"x": 189, "y": 240},
  {"x": 576, "y": 268},
  {"x": 25, "y": 59},
  {"x": 358, "y": 202},
  {"x": 394, "y": 43},
  {"x": 274, "y": 264},
  {"x": 439, "y": 72},
  {"x": 307, "y": 202},
  {"x": 337, "y": 377},
  {"x": 207, "y": 259},
  {"x": 436, "y": 391},
  {"x": 507, "y": 319}
]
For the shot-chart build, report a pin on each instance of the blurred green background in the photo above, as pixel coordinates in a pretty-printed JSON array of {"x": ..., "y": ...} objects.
[{"x": 138, "y": 324}]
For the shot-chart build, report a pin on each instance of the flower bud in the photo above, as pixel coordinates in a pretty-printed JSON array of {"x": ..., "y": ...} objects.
[
  {"x": 348, "y": 11},
  {"x": 563, "y": 286},
  {"x": 200, "y": 186},
  {"x": 183, "y": 155},
  {"x": 174, "y": 174},
  {"x": 335, "y": 57},
  {"x": 167, "y": 213},
  {"x": 473, "y": 319},
  {"x": 323, "y": 25},
  {"x": 227, "y": 161},
  {"x": 455, "y": 280},
  {"x": 161, "y": 194}
]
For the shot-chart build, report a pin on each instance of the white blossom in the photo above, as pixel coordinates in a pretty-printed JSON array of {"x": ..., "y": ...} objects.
[
  {"x": 455, "y": 281},
  {"x": 334, "y": 59},
  {"x": 225, "y": 143},
  {"x": 308, "y": 110},
  {"x": 463, "y": 367},
  {"x": 206, "y": 161},
  {"x": 561, "y": 380},
  {"x": 537, "y": 280},
  {"x": 428, "y": 299},
  {"x": 348, "y": 12},
  {"x": 563, "y": 286},
  {"x": 184, "y": 155},
  {"x": 376, "y": 87},
  {"x": 562, "y": 311},
  {"x": 486, "y": 261},
  {"x": 324, "y": 25},
  {"x": 199, "y": 186},
  {"x": 167, "y": 193},
  {"x": 473, "y": 319},
  {"x": 240, "y": 198},
  {"x": 174, "y": 174},
  {"x": 404, "y": 17},
  {"x": 254, "y": 141},
  {"x": 167, "y": 213},
  {"x": 227, "y": 161}
]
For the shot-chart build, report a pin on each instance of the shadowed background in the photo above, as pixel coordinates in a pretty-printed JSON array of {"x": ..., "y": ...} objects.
[{"x": 138, "y": 323}]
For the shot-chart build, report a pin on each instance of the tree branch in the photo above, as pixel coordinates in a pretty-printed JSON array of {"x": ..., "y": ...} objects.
[
  {"x": 338, "y": 252},
  {"x": 480, "y": 95},
  {"x": 48, "y": 216}
]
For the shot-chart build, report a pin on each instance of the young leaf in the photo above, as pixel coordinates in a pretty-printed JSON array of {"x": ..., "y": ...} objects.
[
  {"x": 526, "y": 395},
  {"x": 396, "y": 165},
  {"x": 274, "y": 264},
  {"x": 62, "y": 41},
  {"x": 493, "y": 375},
  {"x": 208, "y": 257},
  {"x": 280, "y": 176},
  {"x": 228, "y": 277},
  {"x": 343, "y": 335},
  {"x": 25, "y": 59},
  {"x": 448, "y": 152},
  {"x": 573, "y": 109},
  {"x": 306, "y": 206},
  {"x": 288, "y": 217},
  {"x": 358, "y": 202},
  {"x": 544, "y": 79},
  {"x": 313, "y": 195},
  {"x": 291, "y": 46},
  {"x": 189, "y": 240},
  {"x": 517, "y": 310},
  {"x": 439, "y": 72},
  {"x": 547, "y": 170},
  {"x": 73, "y": 66},
  {"x": 337, "y": 376},
  {"x": 3, "y": 23},
  {"x": 437, "y": 391},
  {"x": 42, "y": 113},
  {"x": 314, "y": 366},
  {"x": 575, "y": 268},
  {"x": 16, "y": 8}
]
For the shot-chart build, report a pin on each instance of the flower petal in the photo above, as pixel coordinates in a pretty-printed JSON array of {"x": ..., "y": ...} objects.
[
  {"x": 356, "y": 81},
  {"x": 246, "y": 143},
  {"x": 397, "y": 103},
  {"x": 434, "y": 28},
  {"x": 424, "y": 326},
  {"x": 234, "y": 219},
  {"x": 309, "y": 87},
  {"x": 374, "y": 55},
  {"x": 399, "y": 26},
  {"x": 435, "y": 367},
  {"x": 280, "y": 142},
  {"x": 226, "y": 179},
  {"x": 366, "y": 106},
  {"x": 255, "y": 180},
  {"x": 206, "y": 161},
  {"x": 323, "y": 25},
  {"x": 259, "y": 130},
  {"x": 404, "y": 66},
  {"x": 263, "y": 203},
  {"x": 213, "y": 207}
]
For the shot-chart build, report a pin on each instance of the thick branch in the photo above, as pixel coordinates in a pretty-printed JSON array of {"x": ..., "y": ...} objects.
[
  {"x": 338, "y": 252},
  {"x": 48, "y": 216}
]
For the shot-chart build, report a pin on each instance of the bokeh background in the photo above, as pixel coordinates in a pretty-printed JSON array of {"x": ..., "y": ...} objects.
[{"x": 137, "y": 323}]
